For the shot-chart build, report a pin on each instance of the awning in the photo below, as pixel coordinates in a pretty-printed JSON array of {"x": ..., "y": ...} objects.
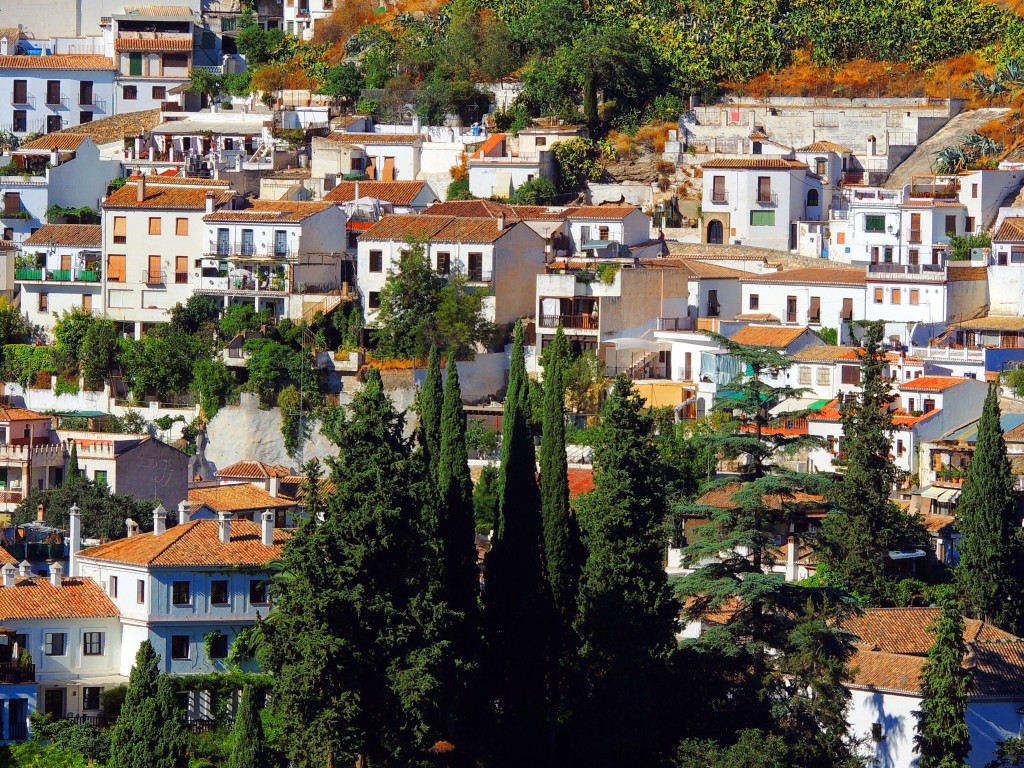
[
  {"x": 815, "y": 309},
  {"x": 931, "y": 492},
  {"x": 949, "y": 495},
  {"x": 639, "y": 345},
  {"x": 81, "y": 414},
  {"x": 798, "y": 404},
  {"x": 502, "y": 184},
  {"x": 597, "y": 245},
  {"x": 905, "y": 554}
]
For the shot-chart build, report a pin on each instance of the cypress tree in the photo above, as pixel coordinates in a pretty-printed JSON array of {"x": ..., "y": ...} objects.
[
  {"x": 172, "y": 747},
  {"x": 517, "y": 598},
  {"x": 74, "y": 473},
  {"x": 431, "y": 403},
  {"x": 248, "y": 748},
  {"x": 135, "y": 738},
  {"x": 561, "y": 534},
  {"x": 989, "y": 574},
  {"x": 943, "y": 738},
  {"x": 626, "y": 615}
]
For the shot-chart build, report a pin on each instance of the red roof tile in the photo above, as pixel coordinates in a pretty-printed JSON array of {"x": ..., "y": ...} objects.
[
  {"x": 239, "y": 497},
  {"x": 67, "y": 142},
  {"x": 394, "y": 192},
  {"x": 756, "y": 163},
  {"x": 255, "y": 470},
  {"x": 931, "y": 383},
  {"x": 438, "y": 229},
  {"x": 812, "y": 275},
  {"x": 777, "y": 336},
  {"x": 85, "y": 235},
  {"x": 60, "y": 61},
  {"x": 905, "y": 630},
  {"x": 36, "y": 598}
]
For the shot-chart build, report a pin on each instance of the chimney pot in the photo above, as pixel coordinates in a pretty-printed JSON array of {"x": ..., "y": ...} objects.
[
  {"x": 209, "y": 202},
  {"x": 159, "y": 520},
  {"x": 40, "y": 513},
  {"x": 75, "y": 534},
  {"x": 24, "y": 568},
  {"x": 140, "y": 189},
  {"x": 274, "y": 485},
  {"x": 184, "y": 512},
  {"x": 8, "y": 575},
  {"x": 224, "y": 527},
  {"x": 131, "y": 526},
  {"x": 56, "y": 573},
  {"x": 267, "y": 528}
]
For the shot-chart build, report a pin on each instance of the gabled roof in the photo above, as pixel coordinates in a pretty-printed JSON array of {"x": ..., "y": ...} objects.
[
  {"x": 11, "y": 34},
  {"x": 115, "y": 127},
  {"x": 68, "y": 142},
  {"x": 237, "y": 497},
  {"x": 253, "y": 470},
  {"x": 374, "y": 138},
  {"x": 20, "y": 414},
  {"x": 271, "y": 212},
  {"x": 812, "y": 276},
  {"x": 905, "y": 630},
  {"x": 1010, "y": 231},
  {"x": 710, "y": 271},
  {"x": 937, "y": 524},
  {"x": 135, "y": 44},
  {"x": 931, "y": 383},
  {"x": 993, "y": 323},
  {"x": 723, "y": 497},
  {"x": 440, "y": 229},
  {"x": 182, "y": 11},
  {"x": 826, "y": 146},
  {"x": 825, "y": 353},
  {"x": 195, "y": 543},
  {"x": 756, "y": 163},
  {"x": 601, "y": 212},
  {"x": 87, "y": 61},
  {"x": 394, "y": 192},
  {"x": 161, "y": 194},
  {"x": 36, "y": 598},
  {"x": 777, "y": 336},
  {"x": 85, "y": 235},
  {"x": 7, "y": 557}
]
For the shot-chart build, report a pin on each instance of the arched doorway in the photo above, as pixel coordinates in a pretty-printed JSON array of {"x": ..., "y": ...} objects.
[{"x": 715, "y": 231}]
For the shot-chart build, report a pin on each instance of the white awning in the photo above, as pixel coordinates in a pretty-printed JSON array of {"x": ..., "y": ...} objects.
[
  {"x": 639, "y": 345},
  {"x": 949, "y": 495},
  {"x": 793, "y": 404},
  {"x": 931, "y": 492},
  {"x": 905, "y": 554}
]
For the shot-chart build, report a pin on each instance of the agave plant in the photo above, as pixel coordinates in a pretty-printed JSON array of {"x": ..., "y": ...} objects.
[
  {"x": 988, "y": 87},
  {"x": 950, "y": 160},
  {"x": 1011, "y": 74},
  {"x": 976, "y": 146}
]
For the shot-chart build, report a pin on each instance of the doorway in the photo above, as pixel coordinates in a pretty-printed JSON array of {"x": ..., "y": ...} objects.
[
  {"x": 53, "y": 703},
  {"x": 716, "y": 232}
]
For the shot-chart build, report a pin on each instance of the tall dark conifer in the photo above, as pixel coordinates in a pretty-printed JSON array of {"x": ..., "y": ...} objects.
[
  {"x": 248, "y": 747},
  {"x": 626, "y": 615},
  {"x": 517, "y": 597},
  {"x": 172, "y": 747},
  {"x": 135, "y": 738},
  {"x": 989, "y": 575},
  {"x": 430, "y": 401}
]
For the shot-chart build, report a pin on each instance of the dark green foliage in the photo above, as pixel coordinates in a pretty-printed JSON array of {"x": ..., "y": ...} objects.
[
  {"x": 242, "y": 317},
  {"x": 342, "y": 81},
  {"x": 942, "y": 737},
  {"x": 688, "y": 458},
  {"x": 161, "y": 361},
  {"x": 458, "y": 189},
  {"x": 135, "y": 740},
  {"x": 213, "y": 382},
  {"x": 431, "y": 398},
  {"x": 98, "y": 351},
  {"x": 989, "y": 575},
  {"x": 92, "y": 743},
  {"x": 485, "y": 499},
  {"x": 247, "y": 740},
  {"x": 112, "y": 699},
  {"x": 626, "y": 613},
  {"x": 172, "y": 747},
  {"x": 538, "y": 191},
  {"x": 103, "y": 513},
  {"x": 1009, "y": 753},
  {"x": 268, "y": 366},
  {"x": 753, "y": 749},
  {"x": 69, "y": 331},
  {"x": 74, "y": 473},
  {"x": 197, "y": 312}
]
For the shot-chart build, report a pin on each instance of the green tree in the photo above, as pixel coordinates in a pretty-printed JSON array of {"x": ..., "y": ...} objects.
[
  {"x": 98, "y": 351},
  {"x": 212, "y": 381},
  {"x": 291, "y": 419},
  {"x": 161, "y": 361},
  {"x": 517, "y": 597},
  {"x": 103, "y": 513},
  {"x": 206, "y": 83},
  {"x": 538, "y": 191},
  {"x": 407, "y": 303},
  {"x": 989, "y": 575},
  {"x": 268, "y": 366},
  {"x": 485, "y": 499},
  {"x": 459, "y": 321},
  {"x": 135, "y": 740},
  {"x": 626, "y": 611},
  {"x": 576, "y": 160},
  {"x": 74, "y": 473},
  {"x": 196, "y": 313},
  {"x": 70, "y": 328},
  {"x": 172, "y": 745},
  {"x": 248, "y": 749},
  {"x": 942, "y": 737},
  {"x": 1009, "y": 753},
  {"x": 342, "y": 81},
  {"x": 14, "y": 329},
  {"x": 431, "y": 399},
  {"x": 242, "y": 317}
]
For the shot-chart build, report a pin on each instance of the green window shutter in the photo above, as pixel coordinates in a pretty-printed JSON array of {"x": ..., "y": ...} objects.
[
  {"x": 874, "y": 223},
  {"x": 762, "y": 218},
  {"x": 135, "y": 64}
]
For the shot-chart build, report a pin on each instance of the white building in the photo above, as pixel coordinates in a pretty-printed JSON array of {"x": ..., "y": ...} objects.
[
  {"x": 48, "y": 93},
  {"x": 819, "y": 297},
  {"x": 153, "y": 48},
  {"x": 494, "y": 171},
  {"x": 391, "y": 196},
  {"x": 302, "y": 16},
  {"x": 68, "y": 260}
]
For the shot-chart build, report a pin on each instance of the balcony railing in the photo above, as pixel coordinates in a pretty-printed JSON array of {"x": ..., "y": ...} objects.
[
  {"x": 181, "y": 278},
  {"x": 61, "y": 101},
  {"x": 95, "y": 102},
  {"x": 228, "y": 250},
  {"x": 22, "y": 99},
  {"x": 57, "y": 275},
  {"x": 767, "y": 198},
  {"x": 583, "y": 322},
  {"x": 154, "y": 277},
  {"x": 15, "y": 672},
  {"x": 96, "y": 721},
  {"x": 674, "y": 324},
  {"x": 721, "y": 197},
  {"x": 479, "y": 276},
  {"x": 935, "y": 273}
]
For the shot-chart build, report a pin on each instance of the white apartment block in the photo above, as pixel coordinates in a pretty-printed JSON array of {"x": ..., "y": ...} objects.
[
  {"x": 43, "y": 94},
  {"x": 153, "y": 48},
  {"x": 68, "y": 263},
  {"x": 301, "y": 16}
]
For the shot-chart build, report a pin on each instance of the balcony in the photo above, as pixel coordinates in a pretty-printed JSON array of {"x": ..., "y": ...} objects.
[
  {"x": 768, "y": 199},
  {"x": 15, "y": 672},
  {"x": 234, "y": 285},
  {"x": 181, "y": 278},
  {"x": 915, "y": 237},
  {"x": 948, "y": 354},
  {"x": 244, "y": 250},
  {"x": 93, "y": 102},
  {"x": 719, "y": 197},
  {"x": 580, "y": 322},
  {"x": 27, "y": 275},
  {"x": 22, "y": 99},
  {"x": 931, "y": 273},
  {"x": 60, "y": 101},
  {"x": 674, "y": 324},
  {"x": 154, "y": 277},
  {"x": 479, "y": 276}
]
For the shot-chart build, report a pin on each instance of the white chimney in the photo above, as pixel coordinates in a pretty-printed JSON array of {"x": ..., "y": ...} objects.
[
  {"x": 138, "y": 146},
  {"x": 209, "y": 202},
  {"x": 131, "y": 526},
  {"x": 274, "y": 485},
  {"x": 8, "y": 575},
  {"x": 75, "y": 534},
  {"x": 25, "y": 568},
  {"x": 224, "y": 527},
  {"x": 791, "y": 557},
  {"x": 159, "y": 520},
  {"x": 267, "y": 520},
  {"x": 54, "y": 157},
  {"x": 184, "y": 512},
  {"x": 140, "y": 189},
  {"x": 40, "y": 513},
  {"x": 501, "y": 223},
  {"x": 56, "y": 572}
]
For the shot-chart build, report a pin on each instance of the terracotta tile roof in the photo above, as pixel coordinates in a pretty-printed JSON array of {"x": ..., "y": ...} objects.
[
  {"x": 439, "y": 229},
  {"x": 184, "y": 181},
  {"x": 194, "y": 543},
  {"x": 928, "y": 203},
  {"x": 756, "y": 163},
  {"x": 10, "y": 34},
  {"x": 601, "y": 212},
  {"x": 271, "y": 211},
  {"x": 254, "y": 470},
  {"x": 7, "y": 557},
  {"x": 493, "y": 209},
  {"x": 812, "y": 275},
  {"x": 1011, "y": 230},
  {"x": 581, "y": 480},
  {"x": 825, "y": 353},
  {"x": 20, "y": 414},
  {"x": 826, "y": 146},
  {"x": 931, "y": 383},
  {"x": 901, "y": 418},
  {"x": 291, "y": 486},
  {"x": 891, "y": 672},
  {"x": 394, "y": 192},
  {"x": 997, "y": 668},
  {"x": 709, "y": 271},
  {"x": 36, "y": 598},
  {"x": 777, "y": 336},
  {"x": 757, "y": 317},
  {"x": 60, "y": 61},
  {"x": 69, "y": 142},
  {"x": 936, "y": 524},
  {"x": 240, "y": 497},
  {"x": 159, "y": 194},
  {"x": 115, "y": 127},
  {"x": 896, "y": 357},
  {"x": 153, "y": 44},
  {"x": 905, "y": 630},
  {"x": 374, "y": 138},
  {"x": 723, "y": 497},
  {"x": 159, "y": 10},
  {"x": 993, "y": 323},
  {"x": 955, "y": 274},
  {"x": 492, "y": 141},
  {"x": 85, "y": 235}
]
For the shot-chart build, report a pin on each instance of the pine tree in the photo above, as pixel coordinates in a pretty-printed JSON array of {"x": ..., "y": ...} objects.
[
  {"x": 866, "y": 522},
  {"x": 74, "y": 473},
  {"x": 172, "y": 746},
  {"x": 248, "y": 748},
  {"x": 943, "y": 738},
  {"x": 431, "y": 402},
  {"x": 562, "y": 548},
  {"x": 989, "y": 575},
  {"x": 135, "y": 738},
  {"x": 626, "y": 615},
  {"x": 517, "y": 598}
]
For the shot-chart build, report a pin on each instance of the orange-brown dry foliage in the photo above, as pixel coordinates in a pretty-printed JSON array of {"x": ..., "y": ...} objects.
[
  {"x": 653, "y": 137},
  {"x": 346, "y": 20}
]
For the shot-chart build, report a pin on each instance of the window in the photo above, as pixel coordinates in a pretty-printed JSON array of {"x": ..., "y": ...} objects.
[
  {"x": 54, "y": 643},
  {"x": 154, "y": 274},
  {"x": 713, "y": 306},
  {"x": 280, "y": 243},
  {"x": 54, "y": 123},
  {"x": 100, "y": 478},
  {"x": 85, "y": 117},
  {"x": 159, "y": 92},
  {"x": 91, "y": 697},
  {"x": 602, "y": 233},
  {"x": 444, "y": 263},
  {"x": 542, "y": 141},
  {"x": 228, "y": 24},
  {"x": 791, "y": 309},
  {"x": 140, "y": 592},
  {"x": 915, "y": 227},
  {"x": 762, "y": 218},
  {"x": 840, "y": 238},
  {"x": 218, "y": 646},
  {"x": 20, "y": 121},
  {"x": 85, "y": 93},
  {"x": 120, "y": 229},
  {"x": 915, "y": 296},
  {"x": 181, "y": 227},
  {"x": 879, "y": 295},
  {"x": 248, "y": 243},
  {"x": 130, "y": 93},
  {"x": 52, "y": 92},
  {"x": 910, "y": 405},
  {"x": 824, "y": 378},
  {"x": 181, "y": 269},
  {"x": 12, "y": 202},
  {"x": 874, "y": 223},
  {"x": 113, "y": 586},
  {"x": 849, "y": 374},
  {"x": 20, "y": 93},
  {"x": 887, "y": 254},
  {"x": 877, "y": 734},
  {"x": 134, "y": 65},
  {"x": 92, "y": 643},
  {"x": 755, "y": 301},
  {"x": 812, "y": 198},
  {"x": 175, "y": 61},
  {"x": 181, "y": 593},
  {"x": 44, "y": 302},
  {"x": 969, "y": 226},
  {"x": 180, "y": 646},
  {"x": 814, "y": 310},
  {"x": 718, "y": 189},
  {"x": 764, "y": 189},
  {"x": 897, "y": 296},
  {"x": 154, "y": 225},
  {"x": 928, "y": 405},
  {"x": 476, "y": 267},
  {"x": 899, "y": 448},
  {"x": 258, "y": 591},
  {"x": 805, "y": 376},
  {"x": 374, "y": 300},
  {"x": 219, "y": 592},
  {"x": 821, "y": 166},
  {"x": 974, "y": 190},
  {"x": 951, "y": 225},
  {"x": 87, "y": 302},
  {"x": 376, "y": 261},
  {"x": 912, "y": 257}
]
